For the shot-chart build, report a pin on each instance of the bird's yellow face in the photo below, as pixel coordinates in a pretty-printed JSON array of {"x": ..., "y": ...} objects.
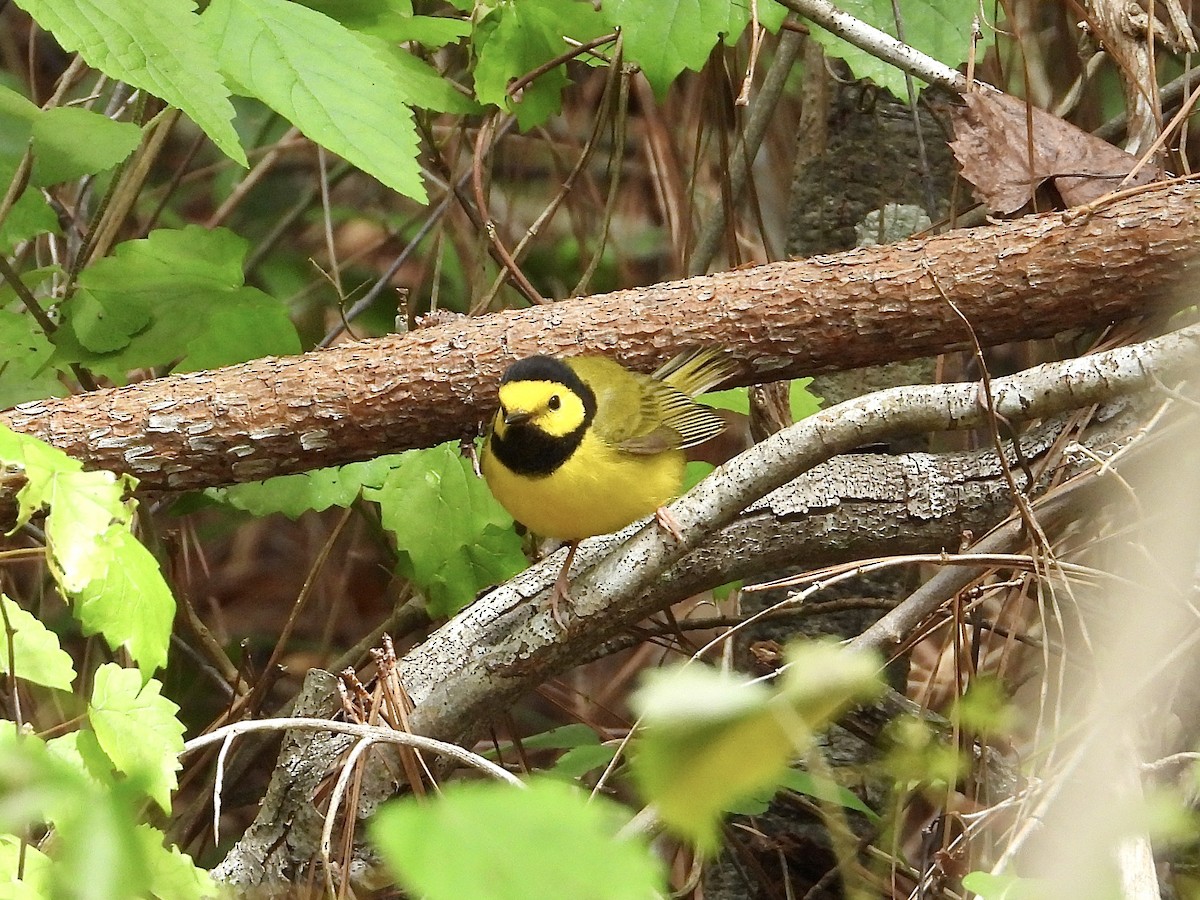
[
  {"x": 545, "y": 410},
  {"x": 548, "y": 406}
]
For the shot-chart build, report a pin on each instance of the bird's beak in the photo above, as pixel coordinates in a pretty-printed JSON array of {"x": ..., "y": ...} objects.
[{"x": 517, "y": 416}]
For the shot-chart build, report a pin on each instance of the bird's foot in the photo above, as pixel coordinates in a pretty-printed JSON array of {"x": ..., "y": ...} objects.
[
  {"x": 560, "y": 592},
  {"x": 667, "y": 522}
]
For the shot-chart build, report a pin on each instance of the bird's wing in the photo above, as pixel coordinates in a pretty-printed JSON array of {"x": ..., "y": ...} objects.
[
  {"x": 668, "y": 420},
  {"x": 643, "y": 414}
]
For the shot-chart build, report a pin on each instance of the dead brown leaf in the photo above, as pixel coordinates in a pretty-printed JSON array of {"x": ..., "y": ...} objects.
[{"x": 992, "y": 144}]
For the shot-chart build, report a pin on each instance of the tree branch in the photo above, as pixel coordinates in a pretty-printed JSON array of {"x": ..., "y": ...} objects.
[
  {"x": 501, "y": 646},
  {"x": 1031, "y": 278},
  {"x": 504, "y": 645}
]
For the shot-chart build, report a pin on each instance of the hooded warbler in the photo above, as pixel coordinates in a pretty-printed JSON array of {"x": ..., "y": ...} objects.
[{"x": 583, "y": 446}]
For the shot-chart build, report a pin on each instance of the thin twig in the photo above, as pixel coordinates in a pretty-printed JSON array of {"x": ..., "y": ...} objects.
[{"x": 376, "y": 735}]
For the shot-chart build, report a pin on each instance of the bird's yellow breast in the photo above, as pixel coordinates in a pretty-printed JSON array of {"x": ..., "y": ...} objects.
[{"x": 598, "y": 490}]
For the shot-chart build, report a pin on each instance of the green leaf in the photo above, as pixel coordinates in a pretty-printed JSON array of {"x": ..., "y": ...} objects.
[
  {"x": 516, "y": 38},
  {"x": 173, "y": 875},
  {"x": 578, "y": 761},
  {"x": 712, "y": 740},
  {"x": 492, "y": 840},
  {"x": 802, "y": 400},
  {"x": 36, "y": 654},
  {"x": 393, "y": 21},
  {"x": 176, "y": 295},
  {"x": 452, "y": 537},
  {"x": 666, "y": 37},
  {"x": 822, "y": 679},
  {"x": 24, "y": 355},
  {"x": 986, "y": 708},
  {"x": 129, "y": 602},
  {"x": 30, "y": 216},
  {"x": 1006, "y": 887},
  {"x": 32, "y": 864},
  {"x": 138, "y": 729},
  {"x": 294, "y": 495},
  {"x": 432, "y": 31},
  {"x": 82, "y": 752},
  {"x": 804, "y": 783},
  {"x": 938, "y": 28},
  {"x": 95, "y": 840},
  {"x": 564, "y": 736},
  {"x": 114, "y": 582},
  {"x": 365, "y": 16},
  {"x": 423, "y": 86},
  {"x": 69, "y": 143},
  {"x": 298, "y": 62},
  {"x": 917, "y": 756},
  {"x": 154, "y": 46}
]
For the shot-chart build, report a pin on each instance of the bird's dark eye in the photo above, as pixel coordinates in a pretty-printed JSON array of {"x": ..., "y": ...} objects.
[{"x": 554, "y": 402}]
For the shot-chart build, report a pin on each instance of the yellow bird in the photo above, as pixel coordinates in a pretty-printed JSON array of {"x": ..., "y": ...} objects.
[{"x": 583, "y": 446}]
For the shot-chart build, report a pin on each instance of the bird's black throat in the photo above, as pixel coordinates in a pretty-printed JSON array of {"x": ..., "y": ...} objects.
[{"x": 527, "y": 450}]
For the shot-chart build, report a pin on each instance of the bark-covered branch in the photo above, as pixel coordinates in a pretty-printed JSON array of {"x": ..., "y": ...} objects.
[
  {"x": 502, "y": 646},
  {"x": 507, "y": 644},
  {"x": 849, "y": 507},
  {"x": 1031, "y": 278}
]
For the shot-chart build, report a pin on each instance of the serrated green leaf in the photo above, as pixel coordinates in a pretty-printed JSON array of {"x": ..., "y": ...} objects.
[
  {"x": 84, "y": 508},
  {"x": 115, "y": 585},
  {"x": 36, "y": 654},
  {"x": 516, "y": 38},
  {"x": 294, "y": 495},
  {"x": 69, "y": 143},
  {"x": 294, "y": 60},
  {"x": 393, "y": 21},
  {"x": 40, "y": 463},
  {"x": 555, "y": 842},
  {"x": 938, "y": 28},
  {"x": 129, "y": 603},
  {"x": 453, "y": 538},
  {"x": 381, "y": 24},
  {"x": 176, "y": 296},
  {"x": 666, "y": 37},
  {"x": 82, "y": 752},
  {"x": 363, "y": 15},
  {"x": 432, "y": 31},
  {"x": 137, "y": 728},
  {"x": 154, "y": 46},
  {"x": 24, "y": 354},
  {"x": 173, "y": 875},
  {"x": 423, "y": 86}
]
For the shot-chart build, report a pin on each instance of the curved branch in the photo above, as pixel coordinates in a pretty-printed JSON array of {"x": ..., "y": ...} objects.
[{"x": 502, "y": 645}]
